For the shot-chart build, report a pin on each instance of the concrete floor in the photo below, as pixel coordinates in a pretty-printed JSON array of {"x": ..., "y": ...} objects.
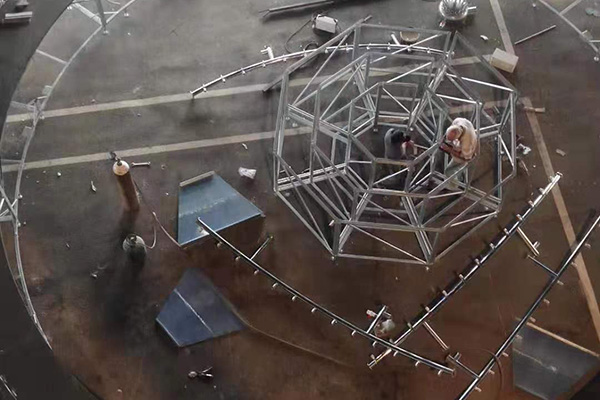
[{"x": 103, "y": 330}]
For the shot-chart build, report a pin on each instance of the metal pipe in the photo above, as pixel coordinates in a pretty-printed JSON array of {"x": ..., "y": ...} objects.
[
  {"x": 469, "y": 272},
  {"x": 315, "y": 306},
  {"x": 535, "y": 35},
  {"x": 528, "y": 242},
  {"x": 262, "y": 247},
  {"x": 435, "y": 336},
  {"x": 299, "y": 6},
  {"x": 562, "y": 269},
  {"x": 537, "y": 262}
]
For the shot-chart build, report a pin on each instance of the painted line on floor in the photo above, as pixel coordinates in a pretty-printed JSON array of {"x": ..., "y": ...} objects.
[
  {"x": 150, "y": 101},
  {"x": 167, "y": 148},
  {"x": 508, "y": 46},
  {"x": 562, "y": 339},
  {"x": 570, "y": 6},
  {"x": 584, "y": 278},
  {"x": 50, "y": 56}
]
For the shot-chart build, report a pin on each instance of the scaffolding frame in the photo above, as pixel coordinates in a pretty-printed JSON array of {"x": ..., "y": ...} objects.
[{"x": 356, "y": 91}]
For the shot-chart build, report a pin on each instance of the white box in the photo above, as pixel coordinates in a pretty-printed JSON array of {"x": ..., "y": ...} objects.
[
  {"x": 504, "y": 61},
  {"x": 325, "y": 24}
]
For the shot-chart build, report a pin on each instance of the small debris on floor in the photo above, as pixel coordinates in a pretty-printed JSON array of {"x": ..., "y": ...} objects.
[
  {"x": 247, "y": 172},
  {"x": 592, "y": 12},
  {"x": 92, "y": 186},
  {"x": 560, "y": 152},
  {"x": 94, "y": 274},
  {"x": 587, "y": 246},
  {"x": 539, "y": 110},
  {"x": 206, "y": 373},
  {"x": 504, "y": 61},
  {"x": 67, "y": 245},
  {"x": 523, "y": 150},
  {"x": 58, "y": 174},
  {"x": 245, "y": 146},
  {"x": 163, "y": 166},
  {"x": 484, "y": 38},
  {"x": 141, "y": 164}
]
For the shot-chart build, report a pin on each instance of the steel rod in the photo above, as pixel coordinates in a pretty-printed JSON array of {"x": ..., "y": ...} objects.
[
  {"x": 561, "y": 270},
  {"x": 535, "y": 35},
  {"x": 469, "y": 272},
  {"x": 528, "y": 242},
  {"x": 314, "y": 305},
  {"x": 539, "y": 263},
  {"x": 299, "y": 6},
  {"x": 435, "y": 336}
]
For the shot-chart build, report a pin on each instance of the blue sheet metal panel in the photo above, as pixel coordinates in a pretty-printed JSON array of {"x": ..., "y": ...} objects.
[
  {"x": 213, "y": 200},
  {"x": 203, "y": 297},
  {"x": 546, "y": 367},
  {"x": 195, "y": 311}
]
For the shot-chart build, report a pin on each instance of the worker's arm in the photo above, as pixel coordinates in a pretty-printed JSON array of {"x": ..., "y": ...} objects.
[{"x": 453, "y": 151}]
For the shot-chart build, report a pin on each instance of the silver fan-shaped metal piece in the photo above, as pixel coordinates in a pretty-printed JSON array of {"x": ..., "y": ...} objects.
[{"x": 454, "y": 10}]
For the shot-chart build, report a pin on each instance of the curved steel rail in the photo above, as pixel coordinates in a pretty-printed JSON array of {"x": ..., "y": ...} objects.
[
  {"x": 470, "y": 271},
  {"x": 335, "y": 319},
  {"x": 37, "y": 111},
  {"x": 304, "y": 53}
]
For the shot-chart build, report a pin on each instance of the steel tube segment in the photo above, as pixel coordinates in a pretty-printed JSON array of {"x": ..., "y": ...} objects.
[
  {"x": 469, "y": 272},
  {"x": 300, "y": 5},
  {"x": 568, "y": 261},
  {"x": 315, "y": 306}
]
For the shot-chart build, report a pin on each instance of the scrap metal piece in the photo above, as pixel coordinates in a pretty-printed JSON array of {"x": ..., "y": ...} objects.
[
  {"x": 298, "y": 6},
  {"x": 23, "y": 17},
  {"x": 539, "y": 110},
  {"x": 141, "y": 164},
  {"x": 532, "y": 246},
  {"x": 560, "y": 152},
  {"x": 548, "y": 29},
  {"x": 247, "y": 172},
  {"x": 92, "y": 186},
  {"x": 454, "y": 10}
]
